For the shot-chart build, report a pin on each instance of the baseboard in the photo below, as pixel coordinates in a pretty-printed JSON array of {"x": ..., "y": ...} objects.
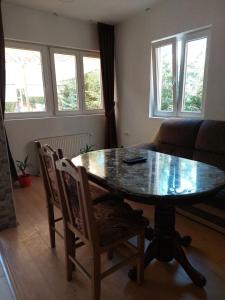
[{"x": 206, "y": 215}]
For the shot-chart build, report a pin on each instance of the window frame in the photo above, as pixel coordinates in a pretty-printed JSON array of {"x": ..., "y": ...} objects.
[
  {"x": 179, "y": 82},
  {"x": 156, "y": 46},
  {"x": 95, "y": 55},
  {"x": 71, "y": 52},
  {"x": 49, "y": 80},
  {"x": 192, "y": 36},
  {"x": 45, "y": 79}
]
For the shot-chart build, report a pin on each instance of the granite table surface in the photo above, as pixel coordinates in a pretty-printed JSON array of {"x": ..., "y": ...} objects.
[{"x": 162, "y": 178}]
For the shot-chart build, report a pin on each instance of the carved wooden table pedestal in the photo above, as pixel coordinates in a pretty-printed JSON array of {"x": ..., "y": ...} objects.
[{"x": 166, "y": 244}]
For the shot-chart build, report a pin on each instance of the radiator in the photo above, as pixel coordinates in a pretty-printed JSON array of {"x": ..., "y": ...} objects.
[{"x": 71, "y": 145}]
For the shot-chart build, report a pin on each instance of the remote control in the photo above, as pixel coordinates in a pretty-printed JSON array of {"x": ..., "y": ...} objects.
[{"x": 134, "y": 160}]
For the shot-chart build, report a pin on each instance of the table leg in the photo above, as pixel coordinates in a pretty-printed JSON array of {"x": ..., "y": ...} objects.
[
  {"x": 149, "y": 233},
  {"x": 195, "y": 276},
  {"x": 166, "y": 245},
  {"x": 184, "y": 240}
]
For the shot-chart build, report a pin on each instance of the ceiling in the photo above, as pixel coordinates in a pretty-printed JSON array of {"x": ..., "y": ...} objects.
[{"x": 108, "y": 11}]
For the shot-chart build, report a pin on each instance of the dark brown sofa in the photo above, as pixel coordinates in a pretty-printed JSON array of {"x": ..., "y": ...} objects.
[{"x": 202, "y": 140}]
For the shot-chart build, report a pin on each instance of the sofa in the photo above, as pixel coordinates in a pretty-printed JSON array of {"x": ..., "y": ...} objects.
[{"x": 201, "y": 140}]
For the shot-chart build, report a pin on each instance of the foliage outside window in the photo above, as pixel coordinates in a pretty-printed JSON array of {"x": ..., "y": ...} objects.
[
  {"x": 66, "y": 82},
  {"x": 78, "y": 81},
  {"x": 92, "y": 82},
  {"x": 70, "y": 82},
  {"x": 179, "y": 69}
]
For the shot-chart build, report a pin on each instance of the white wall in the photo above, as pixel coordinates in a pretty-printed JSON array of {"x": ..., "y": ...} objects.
[
  {"x": 22, "y": 133},
  {"x": 35, "y": 26},
  {"x": 133, "y": 40},
  {"x": 21, "y": 23}
]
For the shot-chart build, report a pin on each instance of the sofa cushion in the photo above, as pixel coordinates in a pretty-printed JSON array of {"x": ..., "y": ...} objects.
[
  {"x": 211, "y": 137},
  {"x": 178, "y": 132},
  {"x": 212, "y": 158},
  {"x": 219, "y": 200},
  {"x": 175, "y": 150}
]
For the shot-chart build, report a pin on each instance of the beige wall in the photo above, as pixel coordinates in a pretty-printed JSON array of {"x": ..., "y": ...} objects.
[
  {"x": 22, "y": 133},
  {"x": 35, "y": 26},
  {"x": 133, "y": 61},
  {"x": 25, "y": 24}
]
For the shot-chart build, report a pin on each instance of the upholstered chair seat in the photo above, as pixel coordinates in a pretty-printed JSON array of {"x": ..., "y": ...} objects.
[{"x": 116, "y": 221}]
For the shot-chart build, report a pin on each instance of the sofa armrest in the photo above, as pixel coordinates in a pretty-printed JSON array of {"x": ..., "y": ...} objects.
[{"x": 147, "y": 146}]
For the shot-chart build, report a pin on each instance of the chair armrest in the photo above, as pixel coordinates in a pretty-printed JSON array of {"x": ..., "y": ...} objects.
[{"x": 147, "y": 146}]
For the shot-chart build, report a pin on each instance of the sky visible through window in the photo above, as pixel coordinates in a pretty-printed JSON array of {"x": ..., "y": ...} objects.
[{"x": 24, "y": 81}]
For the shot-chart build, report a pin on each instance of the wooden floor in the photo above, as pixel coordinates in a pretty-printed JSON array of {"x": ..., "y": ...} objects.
[{"x": 39, "y": 272}]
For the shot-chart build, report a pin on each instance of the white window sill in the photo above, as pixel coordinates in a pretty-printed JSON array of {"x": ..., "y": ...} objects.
[
  {"x": 58, "y": 116},
  {"x": 200, "y": 117}
]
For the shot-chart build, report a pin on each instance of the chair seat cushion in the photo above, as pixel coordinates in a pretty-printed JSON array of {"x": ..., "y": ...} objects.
[
  {"x": 97, "y": 192},
  {"x": 117, "y": 220}
]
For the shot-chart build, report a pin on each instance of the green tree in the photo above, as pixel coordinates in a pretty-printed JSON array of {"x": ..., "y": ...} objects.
[
  {"x": 193, "y": 87},
  {"x": 67, "y": 95},
  {"x": 10, "y": 107},
  {"x": 193, "y": 84},
  {"x": 37, "y": 100},
  {"x": 167, "y": 88},
  {"x": 92, "y": 87}
]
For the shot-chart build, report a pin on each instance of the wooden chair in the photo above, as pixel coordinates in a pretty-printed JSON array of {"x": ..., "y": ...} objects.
[
  {"x": 102, "y": 227},
  {"x": 48, "y": 157}
]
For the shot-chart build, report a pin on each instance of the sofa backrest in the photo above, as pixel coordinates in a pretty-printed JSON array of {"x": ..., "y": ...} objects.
[
  {"x": 195, "y": 139},
  {"x": 210, "y": 143},
  {"x": 211, "y": 137},
  {"x": 178, "y": 137}
]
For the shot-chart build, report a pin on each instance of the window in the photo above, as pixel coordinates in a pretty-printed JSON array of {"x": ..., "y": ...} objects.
[
  {"x": 41, "y": 80},
  {"x": 66, "y": 82},
  {"x": 179, "y": 74},
  {"x": 24, "y": 81},
  {"x": 92, "y": 83}
]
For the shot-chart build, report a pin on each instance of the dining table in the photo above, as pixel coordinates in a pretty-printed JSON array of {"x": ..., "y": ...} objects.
[{"x": 163, "y": 181}]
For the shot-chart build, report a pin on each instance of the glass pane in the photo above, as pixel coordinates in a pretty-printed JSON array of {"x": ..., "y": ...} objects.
[
  {"x": 66, "y": 82},
  {"x": 92, "y": 83},
  {"x": 194, "y": 75},
  {"x": 179, "y": 51},
  {"x": 24, "y": 81},
  {"x": 165, "y": 78}
]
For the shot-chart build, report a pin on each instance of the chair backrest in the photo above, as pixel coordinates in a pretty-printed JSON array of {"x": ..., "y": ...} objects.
[
  {"x": 48, "y": 157},
  {"x": 77, "y": 206}
]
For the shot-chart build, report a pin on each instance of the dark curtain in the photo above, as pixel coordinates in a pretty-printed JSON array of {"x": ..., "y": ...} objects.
[
  {"x": 106, "y": 45},
  {"x": 2, "y": 90}
]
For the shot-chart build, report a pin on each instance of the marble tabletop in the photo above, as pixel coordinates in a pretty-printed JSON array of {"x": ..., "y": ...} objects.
[{"x": 161, "y": 178}]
